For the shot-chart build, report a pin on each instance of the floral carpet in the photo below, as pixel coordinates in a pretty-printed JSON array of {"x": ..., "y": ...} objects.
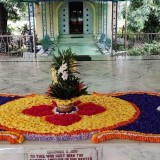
[{"x": 99, "y": 117}]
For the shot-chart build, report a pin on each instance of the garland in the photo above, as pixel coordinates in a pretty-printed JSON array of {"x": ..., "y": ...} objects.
[
  {"x": 116, "y": 134},
  {"x": 11, "y": 137}
]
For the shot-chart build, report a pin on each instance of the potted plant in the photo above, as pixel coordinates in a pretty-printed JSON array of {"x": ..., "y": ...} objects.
[{"x": 65, "y": 84}]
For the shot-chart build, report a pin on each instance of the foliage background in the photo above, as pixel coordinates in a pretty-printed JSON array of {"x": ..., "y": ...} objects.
[
  {"x": 10, "y": 11},
  {"x": 143, "y": 16}
]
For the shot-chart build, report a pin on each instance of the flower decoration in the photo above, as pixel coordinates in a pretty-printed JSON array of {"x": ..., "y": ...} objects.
[
  {"x": 64, "y": 75},
  {"x": 53, "y": 116},
  {"x": 121, "y": 113},
  {"x": 148, "y": 121},
  {"x": 116, "y": 134},
  {"x": 146, "y": 127},
  {"x": 158, "y": 108},
  {"x": 11, "y": 137},
  {"x": 65, "y": 84},
  {"x": 54, "y": 75},
  {"x": 62, "y": 68},
  {"x": 34, "y": 115},
  {"x": 5, "y": 98}
]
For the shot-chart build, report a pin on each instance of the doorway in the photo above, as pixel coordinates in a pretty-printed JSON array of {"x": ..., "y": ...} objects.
[{"x": 76, "y": 17}]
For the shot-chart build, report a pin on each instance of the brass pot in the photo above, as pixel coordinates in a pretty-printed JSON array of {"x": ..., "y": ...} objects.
[
  {"x": 65, "y": 108},
  {"x": 64, "y": 105}
]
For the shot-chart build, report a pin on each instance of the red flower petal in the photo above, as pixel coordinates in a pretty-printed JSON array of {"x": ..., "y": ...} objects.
[
  {"x": 81, "y": 86},
  {"x": 39, "y": 111},
  {"x": 77, "y": 103},
  {"x": 89, "y": 109},
  {"x": 63, "y": 120},
  {"x": 54, "y": 103}
]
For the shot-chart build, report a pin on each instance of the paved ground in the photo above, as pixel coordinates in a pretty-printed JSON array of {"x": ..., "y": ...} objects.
[{"x": 22, "y": 76}]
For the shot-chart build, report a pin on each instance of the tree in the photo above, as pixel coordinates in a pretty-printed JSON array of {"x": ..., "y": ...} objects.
[
  {"x": 10, "y": 11},
  {"x": 144, "y": 16}
]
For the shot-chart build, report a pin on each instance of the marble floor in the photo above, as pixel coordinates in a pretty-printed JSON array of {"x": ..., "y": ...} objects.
[
  {"x": 25, "y": 77},
  {"x": 31, "y": 76}
]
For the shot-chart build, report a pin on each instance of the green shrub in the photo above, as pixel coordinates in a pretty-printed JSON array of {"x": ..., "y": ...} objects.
[{"x": 147, "y": 49}]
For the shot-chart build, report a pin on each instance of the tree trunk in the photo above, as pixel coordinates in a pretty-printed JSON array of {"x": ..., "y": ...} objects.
[{"x": 3, "y": 19}]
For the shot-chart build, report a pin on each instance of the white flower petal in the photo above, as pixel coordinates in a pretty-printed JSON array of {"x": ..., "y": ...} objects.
[
  {"x": 64, "y": 75},
  {"x": 158, "y": 108},
  {"x": 64, "y": 66}
]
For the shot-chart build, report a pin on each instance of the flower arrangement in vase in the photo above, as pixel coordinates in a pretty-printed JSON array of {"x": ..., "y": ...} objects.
[{"x": 65, "y": 84}]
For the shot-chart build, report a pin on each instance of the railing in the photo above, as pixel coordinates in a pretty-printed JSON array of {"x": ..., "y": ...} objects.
[
  {"x": 137, "y": 40},
  {"x": 15, "y": 45}
]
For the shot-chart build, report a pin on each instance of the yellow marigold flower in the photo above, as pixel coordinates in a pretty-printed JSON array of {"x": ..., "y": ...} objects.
[
  {"x": 54, "y": 75},
  {"x": 74, "y": 68}
]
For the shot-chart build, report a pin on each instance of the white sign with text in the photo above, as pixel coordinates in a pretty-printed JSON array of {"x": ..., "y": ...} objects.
[{"x": 91, "y": 153}]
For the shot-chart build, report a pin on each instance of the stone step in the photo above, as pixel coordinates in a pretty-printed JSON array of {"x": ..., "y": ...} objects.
[
  {"x": 76, "y": 35},
  {"x": 81, "y": 58},
  {"x": 85, "y": 41},
  {"x": 76, "y": 39}
]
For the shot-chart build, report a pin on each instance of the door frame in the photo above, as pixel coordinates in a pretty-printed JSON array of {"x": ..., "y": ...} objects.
[{"x": 93, "y": 7}]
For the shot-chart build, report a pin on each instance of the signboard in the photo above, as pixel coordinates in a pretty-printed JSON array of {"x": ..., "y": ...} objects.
[{"x": 91, "y": 153}]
